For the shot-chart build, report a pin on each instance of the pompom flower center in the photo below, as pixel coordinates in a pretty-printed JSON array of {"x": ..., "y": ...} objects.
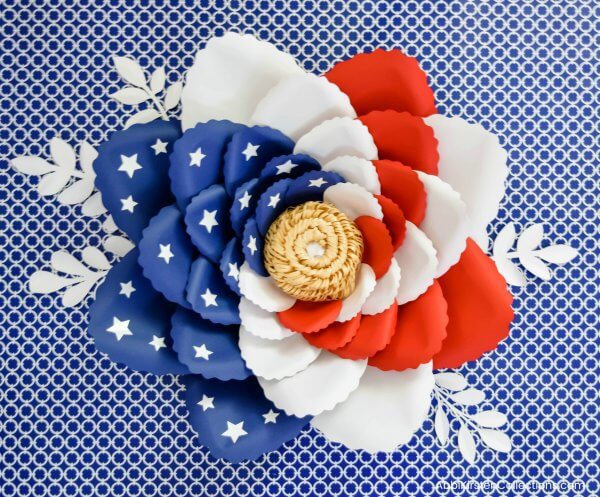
[{"x": 313, "y": 252}]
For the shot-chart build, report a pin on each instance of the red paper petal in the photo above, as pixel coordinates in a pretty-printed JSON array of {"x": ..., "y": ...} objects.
[
  {"x": 378, "y": 249},
  {"x": 394, "y": 219},
  {"x": 384, "y": 80},
  {"x": 479, "y": 308},
  {"x": 405, "y": 138},
  {"x": 420, "y": 330},
  {"x": 335, "y": 335},
  {"x": 308, "y": 317},
  {"x": 373, "y": 334},
  {"x": 401, "y": 184}
]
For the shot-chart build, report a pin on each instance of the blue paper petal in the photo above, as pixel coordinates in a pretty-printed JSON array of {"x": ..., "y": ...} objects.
[
  {"x": 166, "y": 254},
  {"x": 310, "y": 186},
  {"x": 271, "y": 204},
  {"x": 239, "y": 407},
  {"x": 209, "y": 294},
  {"x": 244, "y": 203},
  {"x": 197, "y": 158},
  {"x": 127, "y": 166},
  {"x": 130, "y": 321},
  {"x": 249, "y": 151},
  {"x": 207, "y": 348},
  {"x": 289, "y": 166},
  {"x": 230, "y": 264},
  {"x": 207, "y": 221},
  {"x": 252, "y": 247}
]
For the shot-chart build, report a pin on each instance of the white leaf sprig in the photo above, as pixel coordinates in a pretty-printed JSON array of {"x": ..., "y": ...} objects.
[
  {"x": 76, "y": 278},
  {"x": 144, "y": 90},
  {"x": 450, "y": 392},
  {"x": 527, "y": 252},
  {"x": 115, "y": 244},
  {"x": 62, "y": 177}
]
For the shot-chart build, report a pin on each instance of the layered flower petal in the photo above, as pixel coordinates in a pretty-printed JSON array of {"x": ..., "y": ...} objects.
[
  {"x": 261, "y": 323},
  {"x": 355, "y": 170},
  {"x": 263, "y": 291},
  {"x": 309, "y": 317},
  {"x": 385, "y": 291},
  {"x": 298, "y": 103},
  {"x": 353, "y": 200},
  {"x": 394, "y": 220},
  {"x": 383, "y": 80},
  {"x": 383, "y": 412},
  {"x": 474, "y": 164},
  {"x": 352, "y": 304},
  {"x": 335, "y": 335},
  {"x": 479, "y": 308},
  {"x": 230, "y": 75}
]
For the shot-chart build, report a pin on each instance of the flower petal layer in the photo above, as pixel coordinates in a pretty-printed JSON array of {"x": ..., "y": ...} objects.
[
  {"x": 355, "y": 170},
  {"x": 309, "y": 317},
  {"x": 378, "y": 249},
  {"x": 263, "y": 291},
  {"x": 335, "y": 335},
  {"x": 261, "y": 323}
]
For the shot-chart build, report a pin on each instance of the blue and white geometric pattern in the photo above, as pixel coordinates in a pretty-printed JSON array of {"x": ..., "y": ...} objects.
[{"x": 74, "y": 423}]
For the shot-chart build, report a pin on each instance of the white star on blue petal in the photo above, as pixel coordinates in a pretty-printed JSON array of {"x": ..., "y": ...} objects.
[
  {"x": 207, "y": 402},
  {"x": 317, "y": 182},
  {"x": 159, "y": 147},
  {"x": 196, "y": 157},
  {"x": 209, "y": 298},
  {"x": 119, "y": 328},
  {"x": 202, "y": 352},
  {"x": 128, "y": 204},
  {"x": 127, "y": 289},
  {"x": 129, "y": 164},
  {"x": 158, "y": 343},
  {"x": 234, "y": 431},
  {"x": 234, "y": 271},
  {"x": 245, "y": 200},
  {"x": 165, "y": 253},
  {"x": 250, "y": 151},
  {"x": 252, "y": 245},
  {"x": 274, "y": 200},
  {"x": 286, "y": 167},
  {"x": 271, "y": 416},
  {"x": 209, "y": 220}
]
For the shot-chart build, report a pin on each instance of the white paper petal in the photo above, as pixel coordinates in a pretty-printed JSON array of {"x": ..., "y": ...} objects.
[
  {"x": 445, "y": 223},
  {"x": 336, "y": 137},
  {"x": 298, "y": 103},
  {"x": 385, "y": 291},
  {"x": 418, "y": 263},
  {"x": 320, "y": 387},
  {"x": 261, "y": 323},
  {"x": 356, "y": 170},
  {"x": 383, "y": 412},
  {"x": 353, "y": 200},
  {"x": 365, "y": 284},
  {"x": 276, "y": 359},
  {"x": 230, "y": 76},
  {"x": 263, "y": 291},
  {"x": 474, "y": 164}
]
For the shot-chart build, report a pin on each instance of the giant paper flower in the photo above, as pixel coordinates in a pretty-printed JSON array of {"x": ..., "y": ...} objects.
[{"x": 308, "y": 248}]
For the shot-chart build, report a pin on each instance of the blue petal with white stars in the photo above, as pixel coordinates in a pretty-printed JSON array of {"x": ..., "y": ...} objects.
[
  {"x": 210, "y": 296},
  {"x": 289, "y": 166},
  {"x": 207, "y": 348},
  {"x": 310, "y": 187},
  {"x": 166, "y": 254},
  {"x": 131, "y": 322},
  {"x": 207, "y": 221},
  {"x": 132, "y": 173},
  {"x": 252, "y": 247},
  {"x": 197, "y": 158},
  {"x": 271, "y": 204},
  {"x": 244, "y": 203},
  {"x": 230, "y": 264},
  {"x": 235, "y": 420},
  {"x": 249, "y": 151}
]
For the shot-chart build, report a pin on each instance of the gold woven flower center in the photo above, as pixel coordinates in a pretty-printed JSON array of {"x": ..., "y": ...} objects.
[{"x": 313, "y": 252}]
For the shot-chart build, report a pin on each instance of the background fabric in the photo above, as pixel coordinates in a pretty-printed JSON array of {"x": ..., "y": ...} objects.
[{"x": 73, "y": 423}]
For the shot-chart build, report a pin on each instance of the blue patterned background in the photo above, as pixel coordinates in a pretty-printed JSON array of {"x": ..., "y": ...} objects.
[{"x": 73, "y": 423}]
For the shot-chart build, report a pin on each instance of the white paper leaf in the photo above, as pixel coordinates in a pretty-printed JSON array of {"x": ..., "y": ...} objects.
[
  {"x": 118, "y": 245},
  {"x": 535, "y": 266},
  {"x": 52, "y": 183},
  {"x": 466, "y": 444},
  {"x": 63, "y": 154},
  {"x": 95, "y": 258},
  {"x": 130, "y": 71},
  {"x": 505, "y": 240},
  {"x": 77, "y": 192},
  {"x": 47, "y": 282},
  {"x": 469, "y": 397},
  {"x": 157, "y": 80},
  {"x": 29, "y": 164},
  {"x": 490, "y": 419},
  {"x": 63, "y": 262},
  {"x": 109, "y": 225},
  {"x": 451, "y": 381},
  {"x": 441, "y": 424},
  {"x": 143, "y": 116},
  {"x": 512, "y": 274},
  {"x": 93, "y": 206},
  {"x": 87, "y": 156},
  {"x": 130, "y": 96},
  {"x": 495, "y": 439},
  {"x": 530, "y": 238},
  {"x": 75, "y": 294},
  {"x": 173, "y": 95},
  {"x": 557, "y": 254}
]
